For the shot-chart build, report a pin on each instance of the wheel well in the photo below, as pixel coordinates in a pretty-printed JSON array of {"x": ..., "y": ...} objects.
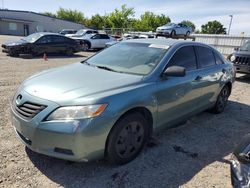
[
  {"x": 229, "y": 84},
  {"x": 143, "y": 111},
  {"x": 88, "y": 43}
]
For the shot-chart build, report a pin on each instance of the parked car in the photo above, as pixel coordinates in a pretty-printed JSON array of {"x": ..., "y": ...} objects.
[
  {"x": 40, "y": 43},
  {"x": 241, "y": 58},
  {"x": 82, "y": 32},
  {"x": 111, "y": 103},
  {"x": 173, "y": 29},
  {"x": 240, "y": 165},
  {"x": 67, "y": 31},
  {"x": 97, "y": 41}
]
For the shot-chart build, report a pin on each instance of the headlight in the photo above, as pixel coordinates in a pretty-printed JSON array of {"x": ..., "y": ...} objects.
[
  {"x": 77, "y": 112},
  {"x": 232, "y": 58}
]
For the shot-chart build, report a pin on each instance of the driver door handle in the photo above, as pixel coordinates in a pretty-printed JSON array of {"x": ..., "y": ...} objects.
[{"x": 198, "y": 78}]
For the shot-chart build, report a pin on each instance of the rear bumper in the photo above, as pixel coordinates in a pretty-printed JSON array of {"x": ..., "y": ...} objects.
[{"x": 242, "y": 68}]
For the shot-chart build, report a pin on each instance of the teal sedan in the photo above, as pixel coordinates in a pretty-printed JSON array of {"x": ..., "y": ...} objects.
[{"x": 110, "y": 104}]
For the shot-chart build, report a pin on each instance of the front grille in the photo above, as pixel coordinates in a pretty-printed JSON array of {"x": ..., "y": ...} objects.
[
  {"x": 29, "y": 110},
  {"x": 242, "y": 61}
]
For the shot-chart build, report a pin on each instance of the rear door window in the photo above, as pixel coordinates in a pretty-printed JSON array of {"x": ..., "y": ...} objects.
[
  {"x": 184, "y": 57},
  {"x": 58, "y": 39},
  {"x": 104, "y": 36},
  {"x": 205, "y": 56}
]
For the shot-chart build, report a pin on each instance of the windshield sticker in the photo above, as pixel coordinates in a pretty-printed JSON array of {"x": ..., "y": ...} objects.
[{"x": 158, "y": 46}]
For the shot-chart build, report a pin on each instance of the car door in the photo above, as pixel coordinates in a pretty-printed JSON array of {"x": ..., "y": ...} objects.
[
  {"x": 178, "y": 29},
  {"x": 42, "y": 45},
  {"x": 103, "y": 40},
  {"x": 59, "y": 44},
  {"x": 95, "y": 41},
  {"x": 178, "y": 97},
  {"x": 210, "y": 74}
]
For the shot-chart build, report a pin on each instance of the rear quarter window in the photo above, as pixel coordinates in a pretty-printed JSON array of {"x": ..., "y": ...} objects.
[
  {"x": 205, "y": 56},
  {"x": 218, "y": 59}
]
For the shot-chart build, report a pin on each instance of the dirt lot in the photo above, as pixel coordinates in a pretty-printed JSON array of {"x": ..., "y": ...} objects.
[{"x": 196, "y": 154}]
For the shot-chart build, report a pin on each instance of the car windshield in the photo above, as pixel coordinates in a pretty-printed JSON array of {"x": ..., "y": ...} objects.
[
  {"x": 129, "y": 57},
  {"x": 170, "y": 24},
  {"x": 245, "y": 47},
  {"x": 81, "y": 32},
  {"x": 33, "y": 37}
]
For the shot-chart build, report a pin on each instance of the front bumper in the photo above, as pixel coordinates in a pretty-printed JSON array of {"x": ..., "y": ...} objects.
[
  {"x": 242, "y": 68},
  {"x": 5, "y": 49},
  {"x": 163, "y": 33},
  {"x": 78, "y": 140}
]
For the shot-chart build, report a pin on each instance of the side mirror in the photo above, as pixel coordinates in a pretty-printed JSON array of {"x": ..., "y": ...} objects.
[
  {"x": 175, "y": 71},
  {"x": 236, "y": 48}
]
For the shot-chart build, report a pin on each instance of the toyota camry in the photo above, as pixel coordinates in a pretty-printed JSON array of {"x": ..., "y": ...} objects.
[{"x": 110, "y": 104}]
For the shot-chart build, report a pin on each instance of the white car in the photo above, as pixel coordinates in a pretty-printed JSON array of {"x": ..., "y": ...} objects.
[
  {"x": 96, "y": 41},
  {"x": 81, "y": 33},
  {"x": 173, "y": 29}
]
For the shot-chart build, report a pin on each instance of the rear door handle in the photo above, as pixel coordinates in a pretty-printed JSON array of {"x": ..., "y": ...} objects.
[{"x": 198, "y": 78}]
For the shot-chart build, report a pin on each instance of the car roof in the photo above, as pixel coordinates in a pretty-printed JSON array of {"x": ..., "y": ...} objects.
[
  {"x": 168, "y": 42},
  {"x": 49, "y": 33}
]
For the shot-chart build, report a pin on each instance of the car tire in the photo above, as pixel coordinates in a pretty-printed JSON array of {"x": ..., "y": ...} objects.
[
  {"x": 86, "y": 46},
  {"x": 221, "y": 100},
  {"x": 69, "y": 52},
  {"x": 188, "y": 33},
  {"x": 173, "y": 33},
  {"x": 127, "y": 138}
]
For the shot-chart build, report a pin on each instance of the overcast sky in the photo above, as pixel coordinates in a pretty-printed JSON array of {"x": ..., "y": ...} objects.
[{"x": 198, "y": 11}]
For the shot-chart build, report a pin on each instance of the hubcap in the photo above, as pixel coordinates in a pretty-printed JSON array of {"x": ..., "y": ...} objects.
[
  {"x": 222, "y": 100},
  {"x": 130, "y": 139},
  {"x": 85, "y": 47}
]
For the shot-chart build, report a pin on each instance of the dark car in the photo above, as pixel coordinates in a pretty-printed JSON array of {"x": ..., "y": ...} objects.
[
  {"x": 240, "y": 166},
  {"x": 67, "y": 31},
  {"x": 40, "y": 43},
  {"x": 241, "y": 58}
]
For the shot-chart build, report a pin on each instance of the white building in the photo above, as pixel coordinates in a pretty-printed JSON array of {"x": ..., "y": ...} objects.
[{"x": 16, "y": 22}]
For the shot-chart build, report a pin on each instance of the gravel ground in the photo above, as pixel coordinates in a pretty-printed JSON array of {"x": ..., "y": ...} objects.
[{"x": 196, "y": 154}]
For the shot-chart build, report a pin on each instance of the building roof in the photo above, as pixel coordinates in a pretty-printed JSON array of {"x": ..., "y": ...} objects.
[
  {"x": 40, "y": 14},
  {"x": 16, "y": 20}
]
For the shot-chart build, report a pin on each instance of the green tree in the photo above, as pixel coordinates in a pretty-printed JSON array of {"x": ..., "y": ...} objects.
[
  {"x": 49, "y": 14},
  {"x": 150, "y": 21},
  {"x": 213, "y": 27},
  {"x": 96, "y": 21},
  {"x": 71, "y": 15},
  {"x": 120, "y": 18},
  {"x": 189, "y": 23}
]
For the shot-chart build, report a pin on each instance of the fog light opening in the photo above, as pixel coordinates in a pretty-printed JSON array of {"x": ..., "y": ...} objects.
[{"x": 63, "y": 151}]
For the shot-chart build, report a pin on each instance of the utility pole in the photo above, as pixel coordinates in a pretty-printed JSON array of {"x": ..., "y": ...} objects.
[{"x": 230, "y": 23}]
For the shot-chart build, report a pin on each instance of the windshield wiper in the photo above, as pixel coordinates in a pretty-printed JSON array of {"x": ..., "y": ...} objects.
[{"x": 106, "y": 68}]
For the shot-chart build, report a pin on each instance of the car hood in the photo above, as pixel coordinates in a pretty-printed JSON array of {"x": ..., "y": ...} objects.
[
  {"x": 165, "y": 27},
  {"x": 16, "y": 43},
  {"x": 242, "y": 53},
  {"x": 75, "y": 81}
]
